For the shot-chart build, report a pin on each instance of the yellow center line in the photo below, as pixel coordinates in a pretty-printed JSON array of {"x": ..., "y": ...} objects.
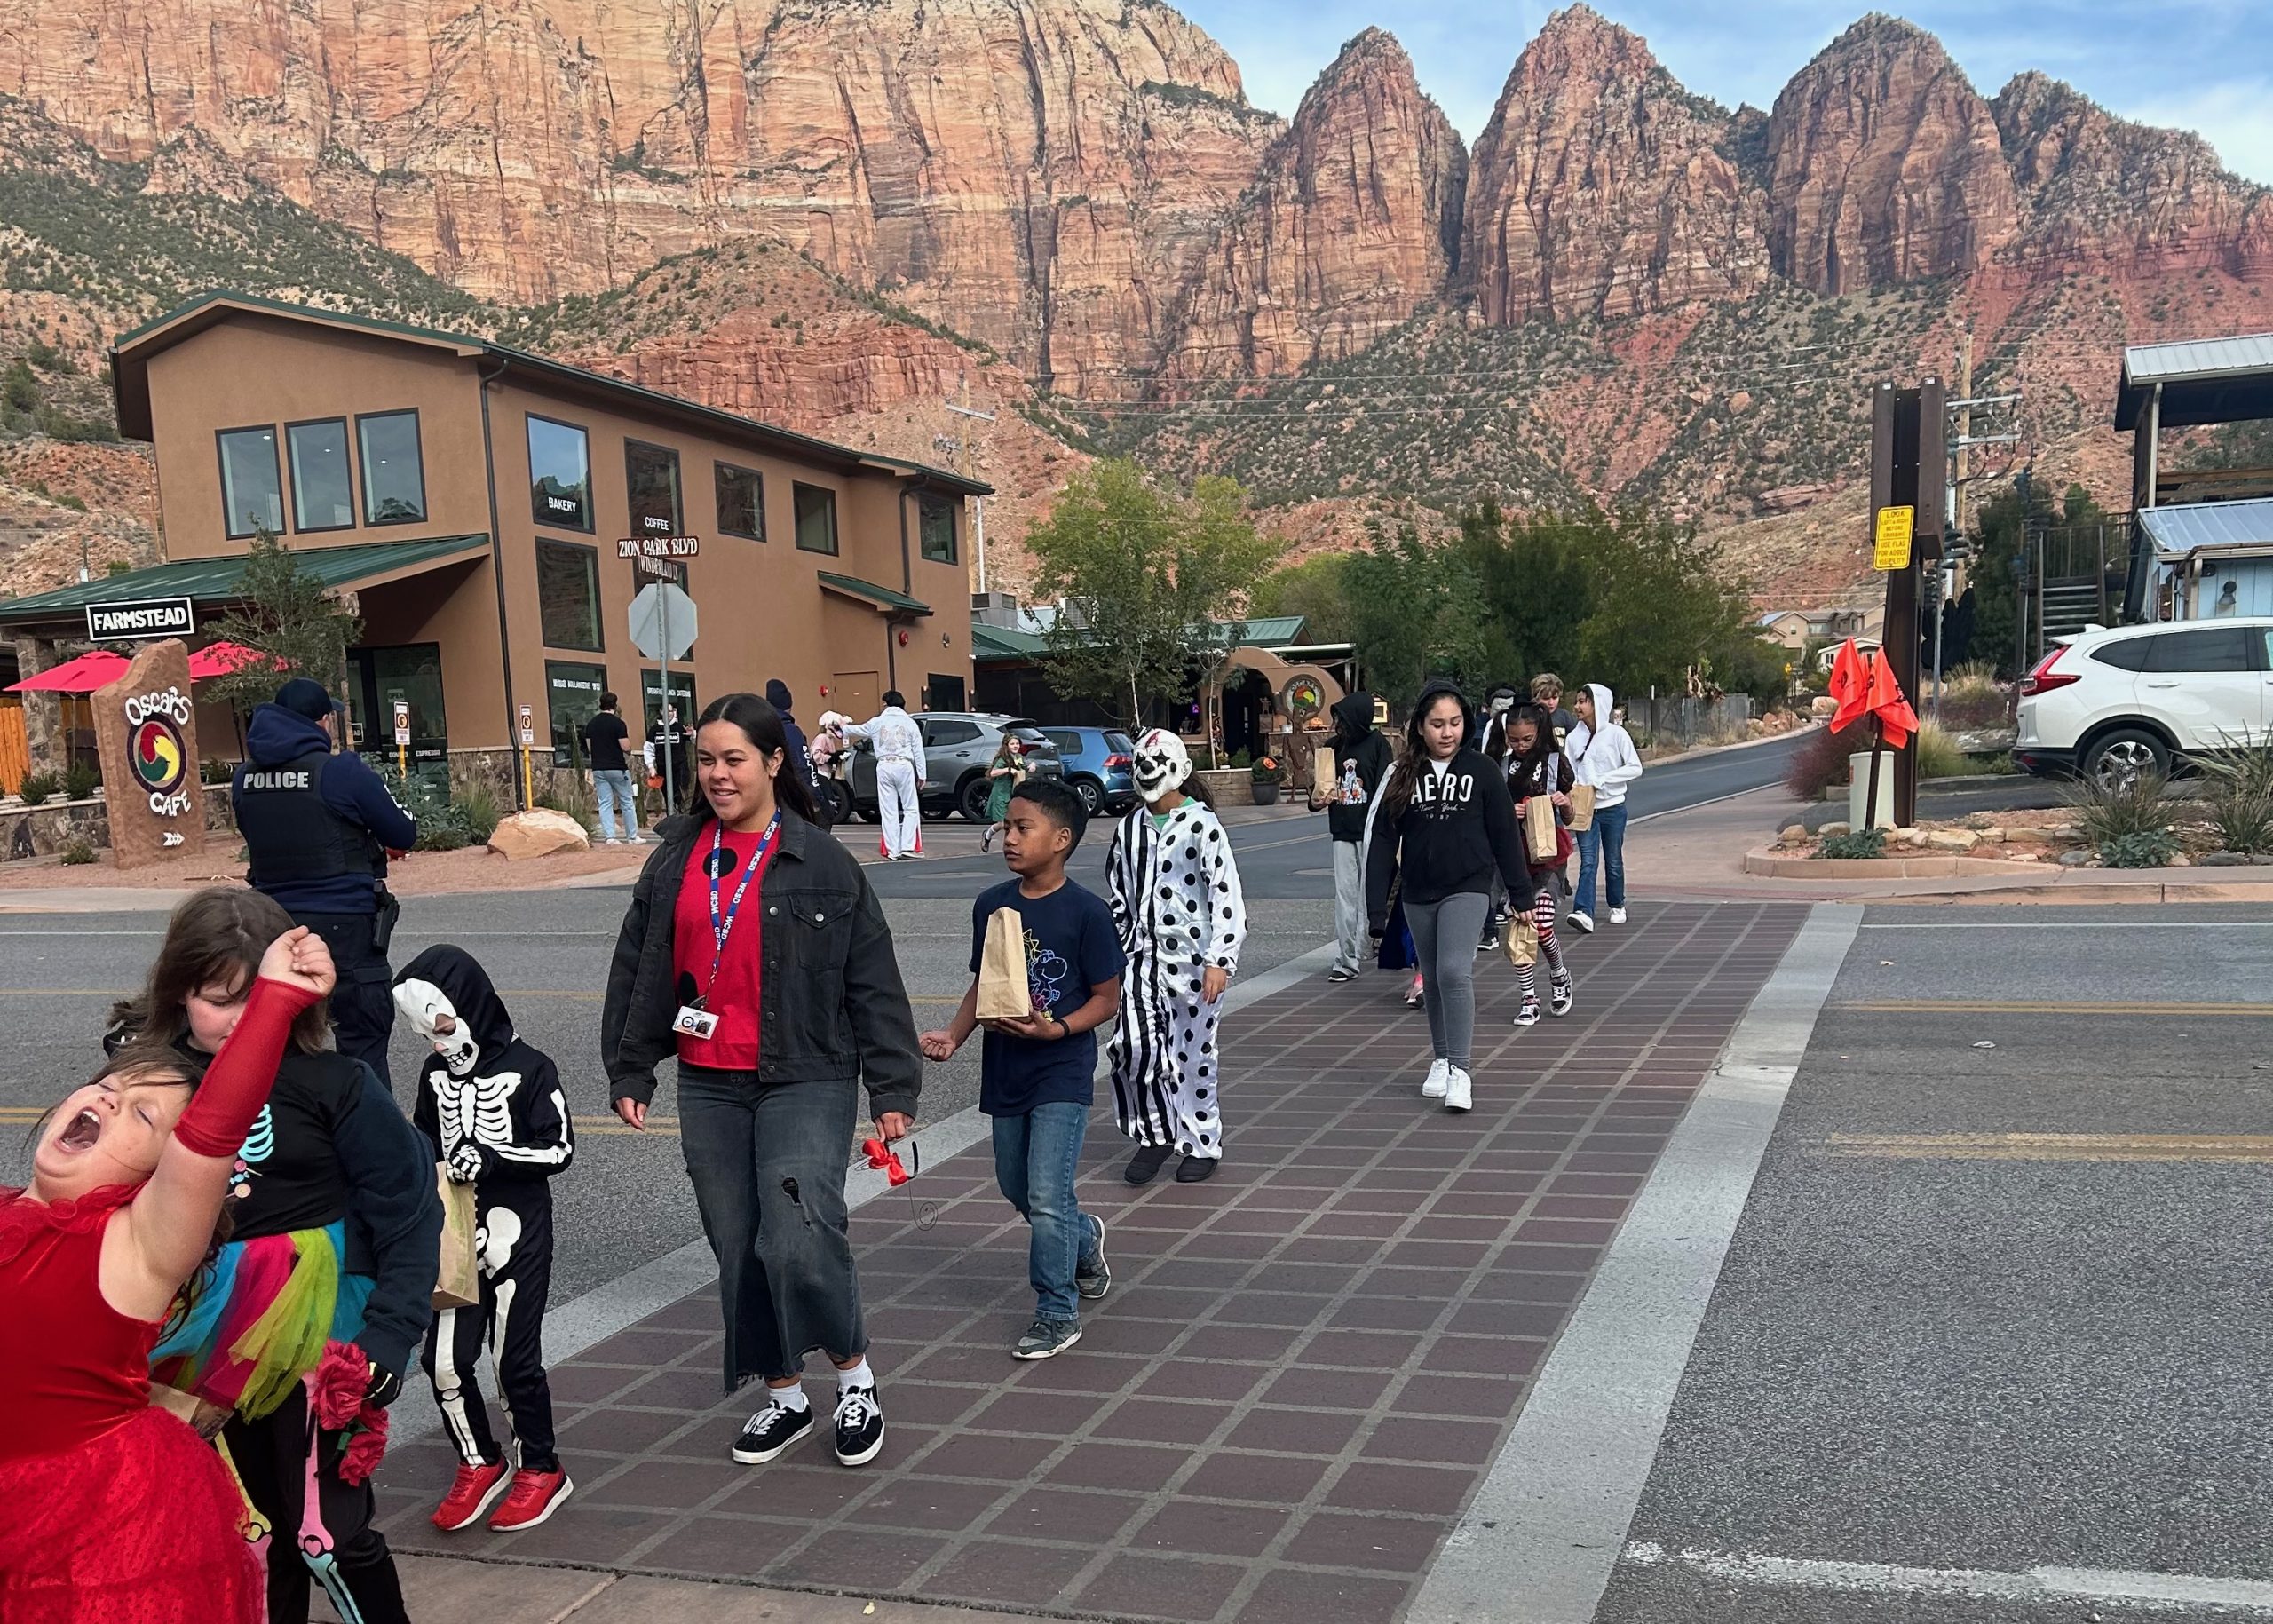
[
  {"x": 1962, "y": 1006},
  {"x": 2051, "y": 1146}
]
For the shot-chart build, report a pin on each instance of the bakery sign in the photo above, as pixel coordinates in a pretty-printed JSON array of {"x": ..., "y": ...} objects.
[{"x": 138, "y": 618}]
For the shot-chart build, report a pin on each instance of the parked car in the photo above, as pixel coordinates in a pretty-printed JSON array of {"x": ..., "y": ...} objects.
[
  {"x": 2110, "y": 706},
  {"x": 1100, "y": 762},
  {"x": 958, "y": 747}
]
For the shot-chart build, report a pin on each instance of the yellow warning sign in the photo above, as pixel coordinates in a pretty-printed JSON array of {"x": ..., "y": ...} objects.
[{"x": 1892, "y": 550}]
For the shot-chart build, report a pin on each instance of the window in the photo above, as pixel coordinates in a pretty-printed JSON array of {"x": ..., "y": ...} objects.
[
  {"x": 572, "y": 698},
  {"x": 816, "y": 517},
  {"x": 253, "y": 497},
  {"x": 651, "y": 487},
  {"x": 938, "y": 733},
  {"x": 560, "y": 474},
  {"x": 412, "y": 673},
  {"x": 569, "y": 594},
  {"x": 936, "y": 527},
  {"x": 323, "y": 486},
  {"x": 1119, "y": 744},
  {"x": 2223, "y": 649},
  {"x": 943, "y": 693},
  {"x": 742, "y": 501},
  {"x": 650, "y": 702},
  {"x": 394, "y": 478},
  {"x": 1068, "y": 742},
  {"x": 2129, "y": 654}
]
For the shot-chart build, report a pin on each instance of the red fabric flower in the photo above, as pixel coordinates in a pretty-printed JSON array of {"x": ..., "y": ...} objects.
[
  {"x": 364, "y": 1449},
  {"x": 340, "y": 1382}
]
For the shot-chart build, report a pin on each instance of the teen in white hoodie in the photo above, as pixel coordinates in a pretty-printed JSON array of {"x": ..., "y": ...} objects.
[{"x": 1603, "y": 755}]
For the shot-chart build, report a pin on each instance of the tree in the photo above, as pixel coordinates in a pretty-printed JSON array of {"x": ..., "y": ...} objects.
[
  {"x": 1151, "y": 575},
  {"x": 1534, "y": 577},
  {"x": 288, "y": 615},
  {"x": 1416, "y": 611},
  {"x": 1317, "y": 589}
]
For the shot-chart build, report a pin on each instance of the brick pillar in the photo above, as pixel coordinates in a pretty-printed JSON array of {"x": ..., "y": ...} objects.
[{"x": 43, "y": 712}]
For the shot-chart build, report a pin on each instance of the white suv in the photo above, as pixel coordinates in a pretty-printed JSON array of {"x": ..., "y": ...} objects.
[{"x": 2109, "y": 706}]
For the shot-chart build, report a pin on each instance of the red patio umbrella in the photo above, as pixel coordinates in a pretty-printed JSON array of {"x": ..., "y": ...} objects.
[
  {"x": 221, "y": 659},
  {"x": 83, "y": 675}
]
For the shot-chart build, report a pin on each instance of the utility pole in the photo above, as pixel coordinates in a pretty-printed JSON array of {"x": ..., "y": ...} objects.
[
  {"x": 1945, "y": 576},
  {"x": 1909, "y": 468},
  {"x": 963, "y": 467}
]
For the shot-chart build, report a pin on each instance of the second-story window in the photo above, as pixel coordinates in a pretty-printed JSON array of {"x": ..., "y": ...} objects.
[
  {"x": 816, "y": 517},
  {"x": 936, "y": 527},
  {"x": 651, "y": 487},
  {"x": 252, "y": 495},
  {"x": 569, "y": 594},
  {"x": 394, "y": 476},
  {"x": 323, "y": 486},
  {"x": 560, "y": 474},
  {"x": 742, "y": 501}
]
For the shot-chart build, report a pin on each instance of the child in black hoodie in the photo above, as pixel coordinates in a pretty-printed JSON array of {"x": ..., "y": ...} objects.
[
  {"x": 1443, "y": 826},
  {"x": 494, "y": 1109}
]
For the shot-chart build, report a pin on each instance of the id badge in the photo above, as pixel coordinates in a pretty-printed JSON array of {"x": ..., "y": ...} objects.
[{"x": 695, "y": 1022}]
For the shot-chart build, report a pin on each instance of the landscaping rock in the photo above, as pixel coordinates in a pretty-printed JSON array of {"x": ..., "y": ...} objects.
[
  {"x": 537, "y": 834},
  {"x": 2074, "y": 859},
  {"x": 1828, "y": 830},
  {"x": 2179, "y": 860},
  {"x": 2026, "y": 857},
  {"x": 1980, "y": 820},
  {"x": 1993, "y": 836},
  {"x": 2225, "y": 859},
  {"x": 1952, "y": 840},
  {"x": 2063, "y": 831},
  {"x": 2017, "y": 837},
  {"x": 1908, "y": 834},
  {"x": 1793, "y": 834}
]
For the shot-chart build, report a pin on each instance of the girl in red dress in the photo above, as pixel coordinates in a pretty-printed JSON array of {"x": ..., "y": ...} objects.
[{"x": 111, "y": 1511}]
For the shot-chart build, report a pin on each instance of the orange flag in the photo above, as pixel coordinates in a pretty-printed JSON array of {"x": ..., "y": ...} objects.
[
  {"x": 1851, "y": 684},
  {"x": 1896, "y": 720}
]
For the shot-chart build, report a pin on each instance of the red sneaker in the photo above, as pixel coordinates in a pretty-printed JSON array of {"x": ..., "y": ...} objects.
[
  {"x": 535, "y": 1496},
  {"x": 470, "y": 1495}
]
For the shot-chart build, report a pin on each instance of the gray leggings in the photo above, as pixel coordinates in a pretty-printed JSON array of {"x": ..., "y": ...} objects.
[{"x": 1444, "y": 939}]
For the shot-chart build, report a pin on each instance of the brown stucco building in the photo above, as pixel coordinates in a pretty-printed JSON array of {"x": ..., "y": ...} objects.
[{"x": 473, "y": 498}]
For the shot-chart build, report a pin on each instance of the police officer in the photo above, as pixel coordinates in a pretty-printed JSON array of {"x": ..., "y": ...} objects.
[{"x": 318, "y": 828}]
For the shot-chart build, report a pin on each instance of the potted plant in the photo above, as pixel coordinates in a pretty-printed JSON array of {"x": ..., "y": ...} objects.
[{"x": 1266, "y": 775}]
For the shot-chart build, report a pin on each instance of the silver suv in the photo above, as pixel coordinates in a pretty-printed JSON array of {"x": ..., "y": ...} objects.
[{"x": 958, "y": 747}]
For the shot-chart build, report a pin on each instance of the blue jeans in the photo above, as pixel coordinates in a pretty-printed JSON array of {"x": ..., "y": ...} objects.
[
  {"x": 614, "y": 790},
  {"x": 1602, "y": 843},
  {"x": 1036, "y": 1156}
]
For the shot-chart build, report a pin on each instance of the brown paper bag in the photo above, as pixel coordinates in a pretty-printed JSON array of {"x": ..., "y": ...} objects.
[
  {"x": 1523, "y": 941},
  {"x": 1004, "y": 993},
  {"x": 1323, "y": 776},
  {"x": 458, "y": 1283},
  {"x": 1582, "y": 808},
  {"x": 1541, "y": 837}
]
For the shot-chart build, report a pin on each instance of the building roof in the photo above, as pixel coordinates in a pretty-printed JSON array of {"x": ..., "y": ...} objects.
[
  {"x": 995, "y": 643},
  {"x": 2191, "y": 527},
  {"x": 2203, "y": 380},
  {"x": 131, "y": 357},
  {"x": 868, "y": 591},
  {"x": 217, "y": 580}
]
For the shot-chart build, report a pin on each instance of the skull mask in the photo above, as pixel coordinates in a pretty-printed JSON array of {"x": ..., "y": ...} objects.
[
  {"x": 1160, "y": 765},
  {"x": 424, "y": 1005}
]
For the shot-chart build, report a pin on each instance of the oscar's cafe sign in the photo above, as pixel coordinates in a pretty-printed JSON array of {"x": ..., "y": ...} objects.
[{"x": 157, "y": 753}]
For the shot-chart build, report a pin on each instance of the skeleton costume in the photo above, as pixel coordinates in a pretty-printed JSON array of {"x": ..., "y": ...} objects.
[
  {"x": 495, "y": 1112},
  {"x": 1175, "y": 894}
]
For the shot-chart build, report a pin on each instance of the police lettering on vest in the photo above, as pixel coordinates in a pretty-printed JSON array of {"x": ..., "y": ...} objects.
[{"x": 285, "y": 778}]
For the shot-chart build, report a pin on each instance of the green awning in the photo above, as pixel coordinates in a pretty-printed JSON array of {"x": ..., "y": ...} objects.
[
  {"x": 868, "y": 591},
  {"x": 217, "y": 580}
]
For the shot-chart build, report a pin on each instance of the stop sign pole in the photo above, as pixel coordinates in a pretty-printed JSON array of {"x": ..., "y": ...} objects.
[{"x": 654, "y": 554}]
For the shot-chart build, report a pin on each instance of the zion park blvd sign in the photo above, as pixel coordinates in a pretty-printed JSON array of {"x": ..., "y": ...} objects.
[{"x": 146, "y": 733}]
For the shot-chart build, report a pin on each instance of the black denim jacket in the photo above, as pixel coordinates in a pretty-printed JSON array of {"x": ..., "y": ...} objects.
[{"x": 833, "y": 1003}]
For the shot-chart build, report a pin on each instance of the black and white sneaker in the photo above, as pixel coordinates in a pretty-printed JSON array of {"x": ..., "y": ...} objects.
[
  {"x": 1092, "y": 1279},
  {"x": 1558, "y": 995},
  {"x": 860, "y": 1427},
  {"x": 1338, "y": 974},
  {"x": 772, "y": 1431},
  {"x": 1046, "y": 1339},
  {"x": 1581, "y": 921},
  {"x": 1527, "y": 1014}
]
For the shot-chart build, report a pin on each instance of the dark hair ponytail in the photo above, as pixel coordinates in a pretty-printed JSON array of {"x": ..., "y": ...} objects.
[{"x": 761, "y": 725}]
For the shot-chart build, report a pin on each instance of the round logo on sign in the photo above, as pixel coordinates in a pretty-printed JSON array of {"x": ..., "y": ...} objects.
[{"x": 157, "y": 753}]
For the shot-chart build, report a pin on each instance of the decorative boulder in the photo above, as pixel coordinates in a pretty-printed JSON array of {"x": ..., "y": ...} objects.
[{"x": 537, "y": 833}]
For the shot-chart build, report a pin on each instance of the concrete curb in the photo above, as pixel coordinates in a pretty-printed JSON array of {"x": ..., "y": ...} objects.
[{"x": 1767, "y": 862}]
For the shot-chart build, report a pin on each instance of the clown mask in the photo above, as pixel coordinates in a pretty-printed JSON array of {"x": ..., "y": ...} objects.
[{"x": 1160, "y": 765}]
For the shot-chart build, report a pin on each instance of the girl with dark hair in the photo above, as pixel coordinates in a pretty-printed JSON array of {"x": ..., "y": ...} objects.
[
  {"x": 755, "y": 952},
  {"x": 1443, "y": 826},
  {"x": 1536, "y": 767},
  {"x": 326, "y": 1281},
  {"x": 115, "y": 1511}
]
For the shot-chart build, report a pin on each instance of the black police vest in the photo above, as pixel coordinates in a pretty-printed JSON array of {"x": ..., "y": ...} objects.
[{"x": 291, "y": 835}]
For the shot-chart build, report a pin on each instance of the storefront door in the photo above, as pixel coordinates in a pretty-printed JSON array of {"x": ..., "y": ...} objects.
[{"x": 409, "y": 672}]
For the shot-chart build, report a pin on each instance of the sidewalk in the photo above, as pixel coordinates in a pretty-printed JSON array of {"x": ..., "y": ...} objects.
[{"x": 1304, "y": 1371}]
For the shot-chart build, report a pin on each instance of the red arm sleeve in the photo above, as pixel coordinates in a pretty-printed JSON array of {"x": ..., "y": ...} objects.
[{"x": 236, "y": 1085}]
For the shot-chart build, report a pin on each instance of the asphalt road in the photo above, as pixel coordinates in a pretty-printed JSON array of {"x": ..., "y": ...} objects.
[{"x": 1996, "y": 1305}]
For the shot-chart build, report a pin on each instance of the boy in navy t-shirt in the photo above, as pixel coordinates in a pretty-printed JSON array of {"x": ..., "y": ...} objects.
[{"x": 1037, "y": 1076}]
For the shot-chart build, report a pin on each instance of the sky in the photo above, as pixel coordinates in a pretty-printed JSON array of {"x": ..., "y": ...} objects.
[{"x": 2200, "y": 64}]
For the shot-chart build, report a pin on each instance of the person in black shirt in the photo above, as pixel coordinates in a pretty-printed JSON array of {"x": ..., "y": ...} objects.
[{"x": 603, "y": 737}]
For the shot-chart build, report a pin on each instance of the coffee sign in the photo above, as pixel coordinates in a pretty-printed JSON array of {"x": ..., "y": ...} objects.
[{"x": 140, "y": 618}]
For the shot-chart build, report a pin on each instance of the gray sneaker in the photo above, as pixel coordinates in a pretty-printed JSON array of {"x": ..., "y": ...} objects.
[
  {"x": 1046, "y": 1339},
  {"x": 1092, "y": 1279}
]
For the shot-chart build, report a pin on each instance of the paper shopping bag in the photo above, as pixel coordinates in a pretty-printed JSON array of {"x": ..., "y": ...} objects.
[
  {"x": 1523, "y": 941},
  {"x": 1542, "y": 839},
  {"x": 1323, "y": 773},
  {"x": 1582, "y": 808},
  {"x": 1003, "y": 992},
  {"x": 458, "y": 1283}
]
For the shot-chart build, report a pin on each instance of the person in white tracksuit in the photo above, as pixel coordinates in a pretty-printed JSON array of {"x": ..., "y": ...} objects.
[
  {"x": 1603, "y": 756},
  {"x": 901, "y": 767}
]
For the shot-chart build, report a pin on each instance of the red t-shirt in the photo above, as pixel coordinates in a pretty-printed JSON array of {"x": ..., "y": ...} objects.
[{"x": 733, "y": 996}]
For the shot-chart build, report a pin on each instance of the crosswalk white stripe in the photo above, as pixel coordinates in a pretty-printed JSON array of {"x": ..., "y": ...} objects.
[{"x": 2253, "y": 1597}]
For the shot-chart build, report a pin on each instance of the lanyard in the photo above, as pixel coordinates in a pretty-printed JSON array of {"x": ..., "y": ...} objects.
[{"x": 720, "y": 930}]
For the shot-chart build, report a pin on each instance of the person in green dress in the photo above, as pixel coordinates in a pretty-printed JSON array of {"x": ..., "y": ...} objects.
[{"x": 1008, "y": 771}]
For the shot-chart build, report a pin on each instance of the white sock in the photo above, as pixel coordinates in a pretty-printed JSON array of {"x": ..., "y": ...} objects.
[
  {"x": 859, "y": 1376},
  {"x": 791, "y": 1399}
]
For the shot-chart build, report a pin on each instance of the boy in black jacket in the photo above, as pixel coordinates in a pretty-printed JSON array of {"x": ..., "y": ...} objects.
[
  {"x": 493, "y": 1108},
  {"x": 1361, "y": 761}
]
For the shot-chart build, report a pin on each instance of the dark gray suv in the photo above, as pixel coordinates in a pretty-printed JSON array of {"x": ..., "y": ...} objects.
[{"x": 958, "y": 747}]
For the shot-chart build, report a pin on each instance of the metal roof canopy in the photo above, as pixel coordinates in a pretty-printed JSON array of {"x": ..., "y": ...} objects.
[
  {"x": 2203, "y": 381},
  {"x": 2178, "y": 532},
  {"x": 879, "y": 598},
  {"x": 216, "y": 579}
]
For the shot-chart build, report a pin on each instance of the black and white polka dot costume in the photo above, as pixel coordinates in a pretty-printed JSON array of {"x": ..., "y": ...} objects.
[{"x": 1174, "y": 892}]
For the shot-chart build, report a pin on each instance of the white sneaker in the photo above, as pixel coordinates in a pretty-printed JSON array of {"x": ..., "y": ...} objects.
[
  {"x": 1583, "y": 924},
  {"x": 1456, "y": 1091},
  {"x": 1617, "y": 915},
  {"x": 1438, "y": 1079}
]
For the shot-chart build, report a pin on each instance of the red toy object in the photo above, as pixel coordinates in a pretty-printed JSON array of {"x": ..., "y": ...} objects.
[{"x": 882, "y": 1155}]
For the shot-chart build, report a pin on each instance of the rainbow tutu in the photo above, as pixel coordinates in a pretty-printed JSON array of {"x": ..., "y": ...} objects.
[{"x": 261, "y": 1319}]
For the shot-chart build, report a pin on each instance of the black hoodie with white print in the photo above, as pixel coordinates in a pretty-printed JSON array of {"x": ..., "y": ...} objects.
[
  {"x": 1459, "y": 826},
  {"x": 491, "y": 1103}
]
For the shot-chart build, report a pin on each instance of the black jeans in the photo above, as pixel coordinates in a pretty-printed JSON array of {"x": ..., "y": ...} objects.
[
  {"x": 362, "y": 1002},
  {"x": 768, "y": 1167}
]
